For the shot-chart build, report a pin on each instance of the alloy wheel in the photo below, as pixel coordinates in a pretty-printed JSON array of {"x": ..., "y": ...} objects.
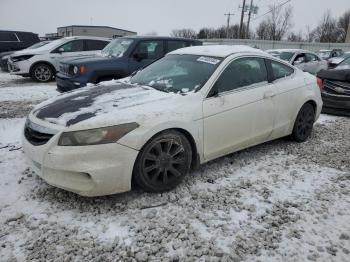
[
  {"x": 164, "y": 162},
  {"x": 42, "y": 73}
]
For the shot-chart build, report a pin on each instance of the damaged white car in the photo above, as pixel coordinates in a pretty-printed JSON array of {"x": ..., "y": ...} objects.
[{"x": 194, "y": 105}]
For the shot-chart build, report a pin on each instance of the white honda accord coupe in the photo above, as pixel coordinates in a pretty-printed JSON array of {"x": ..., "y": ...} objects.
[{"x": 194, "y": 105}]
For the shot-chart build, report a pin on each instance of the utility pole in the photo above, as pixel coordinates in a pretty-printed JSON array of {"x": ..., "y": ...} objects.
[
  {"x": 241, "y": 24},
  {"x": 228, "y": 24},
  {"x": 251, "y": 7}
]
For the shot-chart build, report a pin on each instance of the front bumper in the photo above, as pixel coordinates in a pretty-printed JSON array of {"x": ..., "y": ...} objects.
[
  {"x": 18, "y": 68},
  {"x": 65, "y": 84},
  {"x": 86, "y": 170},
  {"x": 336, "y": 104}
]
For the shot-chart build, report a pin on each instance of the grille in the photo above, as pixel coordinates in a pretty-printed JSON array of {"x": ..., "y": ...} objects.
[
  {"x": 337, "y": 87},
  {"x": 36, "y": 138},
  {"x": 64, "y": 69}
]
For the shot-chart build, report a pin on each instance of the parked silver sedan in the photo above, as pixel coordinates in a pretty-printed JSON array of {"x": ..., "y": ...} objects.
[{"x": 303, "y": 59}]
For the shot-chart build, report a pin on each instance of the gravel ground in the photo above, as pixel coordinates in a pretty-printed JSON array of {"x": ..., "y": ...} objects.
[{"x": 280, "y": 201}]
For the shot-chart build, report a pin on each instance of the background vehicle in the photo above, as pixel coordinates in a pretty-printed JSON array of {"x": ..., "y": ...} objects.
[
  {"x": 119, "y": 59},
  {"x": 336, "y": 89},
  {"x": 42, "y": 63},
  {"x": 303, "y": 59},
  {"x": 189, "y": 107},
  {"x": 16, "y": 40},
  {"x": 4, "y": 59},
  {"x": 333, "y": 62},
  {"x": 327, "y": 54}
]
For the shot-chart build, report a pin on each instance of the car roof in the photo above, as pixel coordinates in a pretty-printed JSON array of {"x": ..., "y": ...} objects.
[
  {"x": 218, "y": 50},
  {"x": 160, "y": 38},
  {"x": 288, "y": 50},
  {"x": 87, "y": 37}
]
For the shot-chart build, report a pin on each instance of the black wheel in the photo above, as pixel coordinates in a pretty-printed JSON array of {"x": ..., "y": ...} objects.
[
  {"x": 304, "y": 123},
  {"x": 42, "y": 73},
  {"x": 163, "y": 162}
]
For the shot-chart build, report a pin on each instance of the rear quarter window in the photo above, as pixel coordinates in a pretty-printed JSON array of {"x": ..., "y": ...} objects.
[
  {"x": 280, "y": 70},
  {"x": 92, "y": 45}
]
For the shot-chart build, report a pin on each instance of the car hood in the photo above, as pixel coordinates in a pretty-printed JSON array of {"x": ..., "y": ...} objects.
[
  {"x": 28, "y": 52},
  {"x": 93, "y": 59},
  {"x": 336, "y": 60},
  {"x": 104, "y": 104},
  {"x": 335, "y": 74}
]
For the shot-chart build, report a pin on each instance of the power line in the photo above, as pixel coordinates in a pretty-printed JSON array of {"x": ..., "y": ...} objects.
[{"x": 280, "y": 5}]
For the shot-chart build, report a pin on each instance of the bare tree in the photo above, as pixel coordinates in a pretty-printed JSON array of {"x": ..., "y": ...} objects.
[
  {"x": 262, "y": 31},
  {"x": 293, "y": 37},
  {"x": 309, "y": 36},
  {"x": 327, "y": 30},
  {"x": 277, "y": 24},
  {"x": 186, "y": 33},
  {"x": 343, "y": 24}
]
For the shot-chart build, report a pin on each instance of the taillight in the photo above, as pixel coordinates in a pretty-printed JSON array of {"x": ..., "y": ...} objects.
[{"x": 319, "y": 83}]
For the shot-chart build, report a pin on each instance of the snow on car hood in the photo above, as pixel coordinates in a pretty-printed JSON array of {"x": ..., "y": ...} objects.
[{"x": 106, "y": 101}]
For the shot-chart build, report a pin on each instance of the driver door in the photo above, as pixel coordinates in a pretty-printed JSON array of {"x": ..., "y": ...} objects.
[
  {"x": 145, "y": 53},
  {"x": 70, "y": 49},
  {"x": 239, "y": 110}
]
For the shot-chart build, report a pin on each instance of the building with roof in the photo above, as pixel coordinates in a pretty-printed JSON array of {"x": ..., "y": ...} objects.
[{"x": 88, "y": 30}]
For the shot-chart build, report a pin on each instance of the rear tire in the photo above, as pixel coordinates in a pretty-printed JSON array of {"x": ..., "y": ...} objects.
[
  {"x": 304, "y": 123},
  {"x": 42, "y": 73},
  {"x": 163, "y": 162}
]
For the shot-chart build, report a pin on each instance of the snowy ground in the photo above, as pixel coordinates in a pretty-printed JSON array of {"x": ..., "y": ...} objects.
[{"x": 280, "y": 201}]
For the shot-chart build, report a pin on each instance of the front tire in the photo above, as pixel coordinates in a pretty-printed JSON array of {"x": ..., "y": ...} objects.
[
  {"x": 304, "y": 123},
  {"x": 42, "y": 73},
  {"x": 163, "y": 162}
]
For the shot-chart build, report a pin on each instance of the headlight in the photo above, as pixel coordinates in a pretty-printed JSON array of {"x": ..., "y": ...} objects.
[
  {"x": 21, "y": 58},
  {"x": 76, "y": 69},
  {"x": 96, "y": 136}
]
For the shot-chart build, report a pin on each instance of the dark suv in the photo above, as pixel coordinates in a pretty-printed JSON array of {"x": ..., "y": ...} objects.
[
  {"x": 11, "y": 41},
  {"x": 118, "y": 59}
]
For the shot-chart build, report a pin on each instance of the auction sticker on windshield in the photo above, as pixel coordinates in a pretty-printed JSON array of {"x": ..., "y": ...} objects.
[{"x": 208, "y": 60}]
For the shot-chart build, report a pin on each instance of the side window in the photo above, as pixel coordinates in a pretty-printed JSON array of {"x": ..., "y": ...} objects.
[
  {"x": 150, "y": 49},
  {"x": 8, "y": 37},
  {"x": 311, "y": 58},
  {"x": 92, "y": 45},
  {"x": 173, "y": 45},
  {"x": 242, "y": 72},
  {"x": 299, "y": 59},
  {"x": 280, "y": 70},
  {"x": 73, "y": 46}
]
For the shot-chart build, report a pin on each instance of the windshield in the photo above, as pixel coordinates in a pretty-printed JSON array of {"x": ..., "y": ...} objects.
[
  {"x": 324, "y": 54},
  {"x": 37, "y": 45},
  {"x": 345, "y": 64},
  {"x": 286, "y": 56},
  {"x": 117, "y": 47},
  {"x": 178, "y": 73}
]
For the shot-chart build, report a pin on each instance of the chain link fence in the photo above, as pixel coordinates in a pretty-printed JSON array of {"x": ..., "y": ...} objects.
[{"x": 268, "y": 44}]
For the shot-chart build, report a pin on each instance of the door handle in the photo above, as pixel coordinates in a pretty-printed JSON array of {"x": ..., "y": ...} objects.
[{"x": 269, "y": 94}]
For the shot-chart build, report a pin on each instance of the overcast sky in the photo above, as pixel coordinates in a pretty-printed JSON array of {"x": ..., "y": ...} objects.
[{"x": 145, "y": 16}]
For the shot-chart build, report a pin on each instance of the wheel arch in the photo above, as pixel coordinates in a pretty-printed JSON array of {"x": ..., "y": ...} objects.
[
  {"x": 195, "y": 161},
  {"x": 42, "y": 62},
  {"x": 307, "y": 101}
]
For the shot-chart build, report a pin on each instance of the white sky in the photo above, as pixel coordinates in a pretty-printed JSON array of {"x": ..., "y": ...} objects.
[{"x": 144, "y": 16}]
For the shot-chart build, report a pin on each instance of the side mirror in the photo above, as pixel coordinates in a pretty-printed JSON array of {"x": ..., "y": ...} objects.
[{"x": 61, "y": 50}]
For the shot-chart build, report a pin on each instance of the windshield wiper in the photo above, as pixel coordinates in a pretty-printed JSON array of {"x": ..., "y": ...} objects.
[{"x": 159, "y": 89}]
